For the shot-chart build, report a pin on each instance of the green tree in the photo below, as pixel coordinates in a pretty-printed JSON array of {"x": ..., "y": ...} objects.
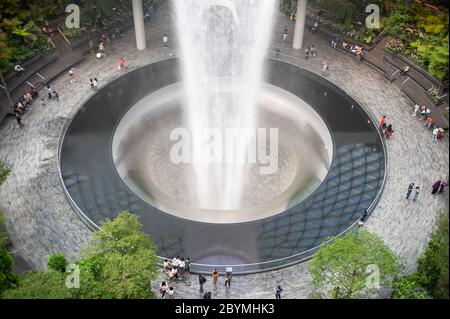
[
  {"x": 408, "y": 287},
  {"x": 343, "y": 10},
  {"x": 340, "y": 268},
  {"x": 438, "y": 61},
  {"x": 40, "y": 285},
  {"x": 7, "y": 278},
  {"x": 121, "y": 258},
  {"x": 432, "y": 270},
  {"x": 57, "y": 262}
]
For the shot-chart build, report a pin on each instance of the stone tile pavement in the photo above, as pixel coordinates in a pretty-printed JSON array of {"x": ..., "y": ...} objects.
[{"x": 41, "y": 221}]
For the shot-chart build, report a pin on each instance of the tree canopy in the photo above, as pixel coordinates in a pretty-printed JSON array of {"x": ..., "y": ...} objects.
[
  {"x": 119, "y": 262},
  {"x": 344, "y": 267}
]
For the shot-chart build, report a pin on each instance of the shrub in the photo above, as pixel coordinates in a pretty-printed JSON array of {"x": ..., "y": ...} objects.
[
  {"x": 40, "y": 285},
  {"x": 408, "y": 287},
  {"x": 7, "y": 277},
  {"x": 432, "y": 271},
  {"x": 342, "y": 268},
  {"x": 4, "y": 172},
  {"x": 57, "y": 262}
]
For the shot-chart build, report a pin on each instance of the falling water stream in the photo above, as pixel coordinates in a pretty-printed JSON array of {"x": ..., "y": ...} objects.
[{"x": 223, "y": 44}]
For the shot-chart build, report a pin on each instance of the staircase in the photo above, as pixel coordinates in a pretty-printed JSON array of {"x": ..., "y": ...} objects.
[
  {"x": 36, "y": 80},
  {"x": 60, "y": 42}
]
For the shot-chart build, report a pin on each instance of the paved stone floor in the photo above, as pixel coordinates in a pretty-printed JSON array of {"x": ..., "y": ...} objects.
[{"x": 40, "y": 221}]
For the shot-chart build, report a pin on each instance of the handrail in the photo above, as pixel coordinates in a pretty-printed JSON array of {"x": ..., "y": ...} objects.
[{"x": 64, "y": 37}]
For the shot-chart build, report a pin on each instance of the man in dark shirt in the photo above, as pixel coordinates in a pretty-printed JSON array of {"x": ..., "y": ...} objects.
[{"x": 410, "y": 189}]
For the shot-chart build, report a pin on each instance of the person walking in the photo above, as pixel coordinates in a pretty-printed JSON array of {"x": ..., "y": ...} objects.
[
  {"x": 285, "y": 33},
  {"x": 436, "y": 186},
  {"x": 91, "y": 47},
  {"x": 101, "y": 49},
  {"x": 435, "y": 133},
  {"x": 410, "y": 189},
  {"x": 443, "y": 186},
  {"x": 201, "y": 281},
  {"x": 416, "y": 110},
  {"x": 207, "y": 295},
  {"x": 389, "y": 132},
  {"x": 215, "y": 277},
  {"x": 228, "y": 276},
  {"x": 56, "y": 95},
  {"x": 95, "y": 82},
  {"x": 278, "y": 292},
  {"x": 163, "y": 289},
  {"x": 325, "y": 68},
  {"x": 19, "y": 120},
  {"x": 166, "y": 266},
  {"x": 383, "y": 123},
  {"x": 165, "y": 40},
  {"x": 122, "y": 64},
  {"x": 72, "y": 75},
  {"x": 171, "y": 293},
  {"x": 91, "y": 82},
  {"x": 187, "y": 268},
  {"x": 416, "y": 193},
  {"x": 312, "y": 51},
  {"x": 363, "y": 216},
  {"x": 49, "y": 92}
]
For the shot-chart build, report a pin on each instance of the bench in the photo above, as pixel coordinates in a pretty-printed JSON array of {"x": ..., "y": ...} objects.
[
  {"x": 417, "y": 95},
  {"x": 413, "y": 73}
]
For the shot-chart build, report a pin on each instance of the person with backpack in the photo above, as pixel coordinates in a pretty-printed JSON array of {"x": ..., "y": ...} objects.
[{"x": 278, "y": 292}]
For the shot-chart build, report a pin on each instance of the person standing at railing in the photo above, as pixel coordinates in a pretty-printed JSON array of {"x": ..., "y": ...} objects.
[
  {"x": 228, "y": 276},
  {"x": 201, "y": 281}
]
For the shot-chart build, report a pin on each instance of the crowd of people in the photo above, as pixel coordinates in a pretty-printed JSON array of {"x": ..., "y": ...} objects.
[
  {"x": 168, "y": 291},
  {"x": 178, "y": 268},
  {"x": 424, "y": 114},
  {"x": 353, "y": 48},
  {"x": 414, "y": 189},
  {"x": 386, "y": 129}
]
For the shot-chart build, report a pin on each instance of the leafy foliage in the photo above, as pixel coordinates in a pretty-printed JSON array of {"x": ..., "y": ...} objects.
[
  {"x": 408, "y": 287},
  {"x": 432, "y": 272},
  {"x": 339, "y": 268},
  {"x": 4, "y": 172},
  {"x": 119, "y": 262},
  {"x": 424, "y": 37},
  {"x": 40, "y": 285},
  {"x": 343, "y": 10},
  {"x": 124, "y": 256},
  {"x": 7, "y": 278},
  {"x": 57, "y": 262}
]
